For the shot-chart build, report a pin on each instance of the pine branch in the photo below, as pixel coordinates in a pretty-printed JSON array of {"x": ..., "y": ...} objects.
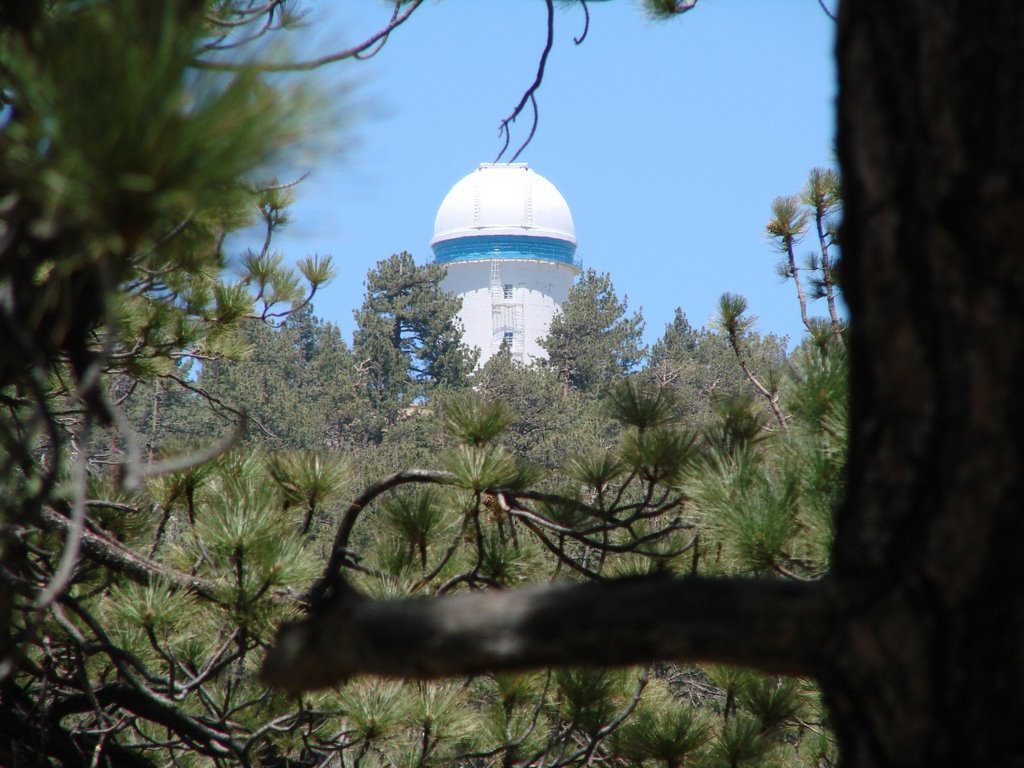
[
  {"x": 19, "y": 716},
  {"x": 363, "y": 50},
  {"x": 340, "y": 550},
  {"x": 150, "y": 705},
  {"x": 114, "y": 555},
  {"x": 827, "y": 277},
  {"x": 774, "y": 626}
]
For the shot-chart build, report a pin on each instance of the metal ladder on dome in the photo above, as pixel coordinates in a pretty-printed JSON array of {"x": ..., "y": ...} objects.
[
  {"x": 518, "y": 332},
  {"x": 506, "y": 315},
  {"x": 497, "y": 289},
  {"x": 497, "y": 307}
]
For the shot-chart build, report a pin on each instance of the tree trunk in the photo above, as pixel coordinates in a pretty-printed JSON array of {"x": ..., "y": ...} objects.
[{"x": 927, "y": 664}]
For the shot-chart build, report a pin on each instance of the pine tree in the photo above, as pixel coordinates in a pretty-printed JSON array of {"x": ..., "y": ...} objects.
[
  {"x": 792, "y": 216},
  {"x": 137, "y": 582},
  {"x": 591, "y": 341},
  {"x": 547, "y": 424},
  {"x": 919, "y": 606},
  {"x": 297, "y": 384},
  {"x": 407, "y": 341},
  {"x": 700, "y": 367}
]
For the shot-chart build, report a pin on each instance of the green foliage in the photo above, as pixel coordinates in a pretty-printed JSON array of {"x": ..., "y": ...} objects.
[
  {"x": 308, "y": 480},
  {"x": 502, "y": 562},
  {"x": 407, "y": 340},
  {"x": 474, "y": 421},
  {"x": 792, "y": 217},
  {"x": 732, "y": 316},
  {"x": 775, "y": 701},
  {"x": 548, "y": 425},
  {"x": 699, "y": 367},
  {"x": 124, "y": 168},
  {"x": 589, "y": 699},
  {"x": 296, "y": 382},
  {"x": 662, "y": 730},
  {"x": 659, "y": 456},
  {"x": 479, "y": 468},
  {"x": 513, "y": 717},
  {"x": 373, "y": 710},
  {"x": 418, "y": 519},
  {"x": 156, "y": 607},
  {"x": 596, "y": 469},
  {"x": 242, "y": 528},
  {"x": 788, "y": 223},
  {"x": 740, "y": 426},
  {"x": 664, "y": 9},
  {"x": 122, "y": 171},
  {"x": 770, "y": 497},
  {"x": 631, "y": 404},
  {"x": 109, "y": 185},
  {"x": 740, "y": 742},
  {"x": 591, "y": 341}
]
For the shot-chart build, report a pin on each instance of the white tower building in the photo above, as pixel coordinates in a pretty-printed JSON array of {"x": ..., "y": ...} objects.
[{"x": 507, "y": 238}]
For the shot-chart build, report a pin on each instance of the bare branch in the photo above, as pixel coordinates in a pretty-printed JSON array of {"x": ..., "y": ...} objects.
[
  {"x": 281, "y": 185},
  {"x": 530, "y": 93},
  {"x": 586, "y": 23},
  {"x": 215, "y": 401},
  {"x": 774, "y": 626},
  {"x": 770, "y": 395},
  {"x": 339, "y": 550},
  {"x": 355, "y": 52},
  {"x": 150, "y": 705}
]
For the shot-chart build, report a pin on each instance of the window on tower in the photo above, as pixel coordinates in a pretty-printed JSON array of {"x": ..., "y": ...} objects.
[
  {"x": 508, "y": 290},
  {"x": 508, "y": 338}
]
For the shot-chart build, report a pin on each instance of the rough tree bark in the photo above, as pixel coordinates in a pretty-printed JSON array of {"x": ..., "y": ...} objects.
[
  {"x": 921, "y": 625},
  {"x": 928, "y": 659}
]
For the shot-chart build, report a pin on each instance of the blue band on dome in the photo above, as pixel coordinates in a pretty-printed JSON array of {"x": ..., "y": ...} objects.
[{"x": 488, "y": 247}]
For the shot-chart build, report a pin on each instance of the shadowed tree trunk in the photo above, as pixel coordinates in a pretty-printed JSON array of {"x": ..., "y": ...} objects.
[
  {"x": 918, "y": 636},
  {"x": 928, "y": 664}
]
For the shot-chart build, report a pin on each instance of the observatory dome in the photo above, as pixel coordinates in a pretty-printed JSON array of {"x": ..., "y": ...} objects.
[{"x": 517, "y": 212}]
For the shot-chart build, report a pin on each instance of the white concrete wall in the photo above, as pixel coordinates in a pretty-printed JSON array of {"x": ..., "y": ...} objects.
[{"x": 539, "y": 289}]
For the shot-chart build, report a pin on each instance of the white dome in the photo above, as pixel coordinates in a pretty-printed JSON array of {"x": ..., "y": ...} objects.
[{"x": 503, "y": 199}]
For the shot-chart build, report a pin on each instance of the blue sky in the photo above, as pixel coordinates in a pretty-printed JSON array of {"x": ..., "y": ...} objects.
[{"x": 668, "y": 140}]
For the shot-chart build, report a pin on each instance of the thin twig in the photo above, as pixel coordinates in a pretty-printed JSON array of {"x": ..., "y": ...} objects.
[
  {"x": 134, "y": 476},
  {"x": 528, "y": 95},
  {"x": 282, "y": 186},
  {"x": 73, "y": 536},
  {"x": 586, "y": 23},
  {"x": 354, "y": 52}
]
